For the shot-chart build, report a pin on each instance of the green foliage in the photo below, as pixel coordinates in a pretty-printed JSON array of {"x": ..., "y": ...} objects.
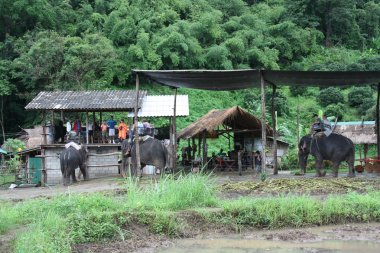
[
  {"x": 13, "y": 145},
  {"x": 357, "y": 95},
  {"x": 298, "y": 90},
  {"x": 337, "y": 110},
  {"x": 330, "y": 96},
  {"x": 290, "y": 161}
]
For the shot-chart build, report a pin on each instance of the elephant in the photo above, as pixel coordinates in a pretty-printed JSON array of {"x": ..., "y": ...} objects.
[
  {"x": 152, "y": 152},
  {"x": 335, "y": 148},
  {"x": 72, "y": 157}
]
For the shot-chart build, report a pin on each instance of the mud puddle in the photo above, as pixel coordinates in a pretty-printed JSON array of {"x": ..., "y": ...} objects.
[{"x": 329, "y": 239}]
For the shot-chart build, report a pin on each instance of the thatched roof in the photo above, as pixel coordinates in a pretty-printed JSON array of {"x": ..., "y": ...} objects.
[
  {"x": 360, "y": 132},
  {"x": 235, "y": 118},
  {"x": 109, "y": 100}
]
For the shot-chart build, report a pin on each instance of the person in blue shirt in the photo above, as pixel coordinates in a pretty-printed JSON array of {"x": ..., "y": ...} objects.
[{"x": 111, "y": 129}]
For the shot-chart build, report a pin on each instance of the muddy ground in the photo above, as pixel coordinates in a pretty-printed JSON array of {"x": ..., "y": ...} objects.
[{"x": 291, "y": 238}]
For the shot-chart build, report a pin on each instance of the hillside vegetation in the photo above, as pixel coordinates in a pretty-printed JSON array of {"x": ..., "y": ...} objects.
[{"x": 94, "y": 45}]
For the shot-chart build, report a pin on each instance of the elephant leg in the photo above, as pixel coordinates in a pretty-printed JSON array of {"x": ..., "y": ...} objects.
[
  {"x": 73, "y": 176},
  {"x": 351, "y": 168},
  {"x": 319, "y": 167},
  {"x": 82, "y": 169},
  {"x": 66, "y": 177},
  {"x": 335, "y": 169},
  {"x": 122, "y": 167}
]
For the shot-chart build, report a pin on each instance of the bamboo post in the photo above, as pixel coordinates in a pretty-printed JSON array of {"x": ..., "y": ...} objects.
[
  {"x": 275, "y": 167},
  {"x": 377, "y": 120},
  {"x": 136, "y": 126},
  {"x": 192, "y": 148},
  {"x": 175, "y": 131},
  {"x": 87, "y": 128},
  {"x": 62, "y": 118},
  {"x": 263, "y": 124},
  {"x": 204, "y": 159},
  {"x": 44, "y": 127},
  {"x": 298, "y": 124}
]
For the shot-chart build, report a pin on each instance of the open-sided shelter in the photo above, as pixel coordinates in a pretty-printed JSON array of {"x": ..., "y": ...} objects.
[
  {"x": 102, "y": 158},
  {"x": 249, "y": 78}
]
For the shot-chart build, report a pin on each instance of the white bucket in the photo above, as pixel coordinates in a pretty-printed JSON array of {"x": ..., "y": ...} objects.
[{"x": 149, "y": 170}]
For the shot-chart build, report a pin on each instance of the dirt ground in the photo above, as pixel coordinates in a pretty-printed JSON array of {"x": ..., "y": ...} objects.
[{"x": 232, "y": 184}]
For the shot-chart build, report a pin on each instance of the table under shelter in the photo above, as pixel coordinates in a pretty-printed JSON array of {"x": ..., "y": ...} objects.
[{"x": 254, "y": 78}]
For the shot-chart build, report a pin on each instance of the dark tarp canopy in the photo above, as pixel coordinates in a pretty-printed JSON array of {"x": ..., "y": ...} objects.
[{"x": 248, "y": 78}]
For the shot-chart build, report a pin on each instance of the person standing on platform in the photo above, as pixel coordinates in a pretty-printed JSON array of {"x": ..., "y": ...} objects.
[
  {"x": 111, "y": 129},
  {"x": 104, "y": 128},
  {"x": 123, "y": 129}
]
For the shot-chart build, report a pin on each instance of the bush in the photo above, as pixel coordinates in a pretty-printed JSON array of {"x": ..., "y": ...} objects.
[
  {"x": 290, "y": 162},
  {"x": 366, "y": 104},
  {"x": 357, "y": 95},
  {"x": 336, "y": 110},
  {"x": 330, "y": 96},
  {"x": 14, "y": 145},
  {"x": 297, "y": 90}
]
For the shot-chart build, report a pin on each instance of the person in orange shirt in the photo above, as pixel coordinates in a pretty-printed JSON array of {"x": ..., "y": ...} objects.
[
  {"x": 123, "y": 129},
  {"x": 104, "y": 131}
]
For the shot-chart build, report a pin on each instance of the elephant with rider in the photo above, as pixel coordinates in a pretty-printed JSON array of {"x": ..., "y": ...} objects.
[{"x": 335, "y": 148}]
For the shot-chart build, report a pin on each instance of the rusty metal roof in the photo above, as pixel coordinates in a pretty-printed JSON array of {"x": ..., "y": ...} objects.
[
  {"x": 360, "y": 132},
  {"x": 110, "y": 100}
]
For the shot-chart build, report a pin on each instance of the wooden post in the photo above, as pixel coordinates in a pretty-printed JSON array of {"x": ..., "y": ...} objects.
[
  {"x": 192, "y": 148},
  {"x": 263, "y": 124},
  {"x": 62, "y": 118},
  {"x": 175, "y": 131},
  {"x": 298, "y": 124},
  {"x": 52, "y": 117},
  {"x": 275, "y": 168},
  {"x": 87, "y": 142},
  {"x": 239, "y": 162},
  {"x": 204, "y": 158},
  {"x": 199, "y": 145},
  {"x": 171, "y": 149},
  {"x": 136, "y": 126},
  {"x": 377, "y": 120},
  {"x": 100, "y": 118},
  {"x": 44, "y": 127}
]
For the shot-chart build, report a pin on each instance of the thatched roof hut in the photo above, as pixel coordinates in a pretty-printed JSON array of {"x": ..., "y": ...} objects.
[
  {"x": 360, "y": 132},
  {"x": 233, "y": 119}
]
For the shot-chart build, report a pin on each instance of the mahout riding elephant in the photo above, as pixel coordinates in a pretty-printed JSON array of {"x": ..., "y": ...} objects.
[
  {"x": 152, "y": 152},
  {"x": 72, "y": 157},
  {"x": 335, "y": 148}
]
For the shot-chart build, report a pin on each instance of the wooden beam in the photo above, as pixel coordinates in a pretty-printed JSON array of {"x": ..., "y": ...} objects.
[
  {"x": 136, "y": 126},
  {"x": 274, "y": 123},
  {"x": 263, "y": 124}
]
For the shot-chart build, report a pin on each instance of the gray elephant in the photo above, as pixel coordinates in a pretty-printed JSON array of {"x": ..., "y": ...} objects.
[
  {"x": 335, "y": 148},
  {"x": 72, "y": 157},
  {"x": 152, "y": 152}
]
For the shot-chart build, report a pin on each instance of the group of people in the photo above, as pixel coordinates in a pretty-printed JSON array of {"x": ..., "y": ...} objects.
[{"x": 320, "y": 127}]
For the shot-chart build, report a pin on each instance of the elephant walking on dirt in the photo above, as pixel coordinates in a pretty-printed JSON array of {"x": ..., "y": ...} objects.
[
  {"x": 335, "y": 148},
  {"x": 152, "y": 152},
  {"x": 72, "y": 157}
]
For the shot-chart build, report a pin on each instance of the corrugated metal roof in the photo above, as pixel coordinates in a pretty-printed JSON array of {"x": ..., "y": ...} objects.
[
  {"x": 162, "y": 106},
  {"x": 111, "y": 100}
]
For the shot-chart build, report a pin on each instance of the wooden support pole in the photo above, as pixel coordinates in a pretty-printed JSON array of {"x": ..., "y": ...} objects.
[
  {"x": 199, "y": 145},
  {"x": 100, "y": 118},
  {"x": 274, "y": 123},
  {"x": 263, "y": 124},
  {"x": 136, "y": 126},
  {"x": 298, "y": 124},
  {"x": 52, "y": 117},
  {"x": 44, "y": 127},
  {"x": 204, "y": 158},
  {"x": 62, "y": 117},
  {"x": 192, "y": 147},
  {"x": 377, "y": 120},
  {"x": 87, "y": 141},
  {"x": 174, "y": 133}
]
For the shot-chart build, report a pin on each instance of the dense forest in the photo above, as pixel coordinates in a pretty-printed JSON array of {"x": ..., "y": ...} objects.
[{"x": 94, "y": 44}]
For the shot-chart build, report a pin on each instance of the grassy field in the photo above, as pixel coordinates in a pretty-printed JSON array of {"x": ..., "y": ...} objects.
[{"x": 56, "y": 224}]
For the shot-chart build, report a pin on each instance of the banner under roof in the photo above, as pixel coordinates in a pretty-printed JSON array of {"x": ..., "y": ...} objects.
[{"x": 248, "y": 78}]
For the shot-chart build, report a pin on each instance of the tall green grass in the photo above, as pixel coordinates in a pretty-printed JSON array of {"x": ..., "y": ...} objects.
[
  {"x": 190, "y": 191},
  {"x": 54, "y": 225},
  {"x": 297, "y": 211}
]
